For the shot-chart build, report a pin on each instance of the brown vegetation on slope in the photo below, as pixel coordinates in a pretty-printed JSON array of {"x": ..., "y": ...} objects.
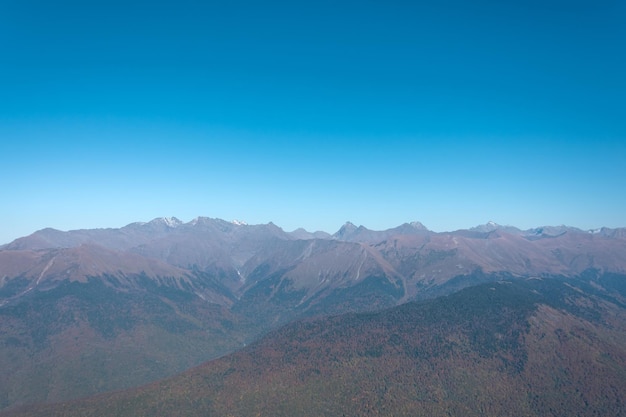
[{"x": 521, "y": 348}]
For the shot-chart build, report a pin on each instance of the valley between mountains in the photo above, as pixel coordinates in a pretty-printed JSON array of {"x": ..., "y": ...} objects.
[{"x": 294, "y": 316}]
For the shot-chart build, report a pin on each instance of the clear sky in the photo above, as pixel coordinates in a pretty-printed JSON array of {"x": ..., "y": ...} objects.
[{"x": 309, "y": 114}]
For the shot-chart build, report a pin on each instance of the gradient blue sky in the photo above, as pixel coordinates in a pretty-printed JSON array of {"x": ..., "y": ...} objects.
[{"x": 312, "y": 113}]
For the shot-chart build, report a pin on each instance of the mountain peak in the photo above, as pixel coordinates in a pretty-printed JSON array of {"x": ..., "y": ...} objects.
[
  {"x": 345, "y": 230},
  {"x": 492, "y": 226},
  {"x": 552, "y": 231},
  {"x": 418, "y": 225},
  {"x": 167, "y": 221},
  {"x": 347, "y": 227}
]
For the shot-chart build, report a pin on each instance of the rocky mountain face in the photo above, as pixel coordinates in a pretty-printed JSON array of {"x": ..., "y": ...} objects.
[
  {"x": 86, "y": 311},
  {"x": 239, "y": 256}
]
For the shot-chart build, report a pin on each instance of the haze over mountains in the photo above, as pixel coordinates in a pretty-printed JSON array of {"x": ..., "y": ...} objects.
[
  {"x": 86, "y": 311},
  {"x": 232, "y": 257},
  {"x": 237, "y": 256}
]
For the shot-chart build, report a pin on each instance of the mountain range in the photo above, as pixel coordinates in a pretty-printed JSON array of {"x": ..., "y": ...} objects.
[
  {"x": 87, "y": 311},
  {"x": 238, "y": 256}
]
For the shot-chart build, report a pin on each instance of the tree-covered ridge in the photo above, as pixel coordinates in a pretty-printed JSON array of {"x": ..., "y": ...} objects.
[{"x": 531, "y": 347}]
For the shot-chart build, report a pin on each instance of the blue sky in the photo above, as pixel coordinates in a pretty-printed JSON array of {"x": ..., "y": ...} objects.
[{"x": 309, "y": 114}]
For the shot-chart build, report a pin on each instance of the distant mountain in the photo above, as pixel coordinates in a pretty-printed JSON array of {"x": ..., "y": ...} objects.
[
  {"x": 349, "y": 232},
  {"x": 206, "y": 287},
  {"x": 525, "y": 347},
  {"x": 492, "y": 226},
  {"x": 301, "y": 233}
]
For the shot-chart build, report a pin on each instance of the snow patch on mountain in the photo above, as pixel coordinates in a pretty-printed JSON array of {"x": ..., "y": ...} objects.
[{"x": 168, "y": 221}]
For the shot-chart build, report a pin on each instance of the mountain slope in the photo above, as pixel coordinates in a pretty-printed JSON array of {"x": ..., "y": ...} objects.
[
  {"x": 513, "y": 348},
  {"x": 79, "y": 338},
  {"x": 226, "y": 284}
]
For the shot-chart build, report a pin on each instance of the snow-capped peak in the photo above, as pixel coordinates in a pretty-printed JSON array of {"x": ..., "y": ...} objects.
[
  {"x": 168, "y": 221},
  {"x": 239, "y": 222},
  {"x": 172, "y": 221},
  {"x": 418, "y": 226}
]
